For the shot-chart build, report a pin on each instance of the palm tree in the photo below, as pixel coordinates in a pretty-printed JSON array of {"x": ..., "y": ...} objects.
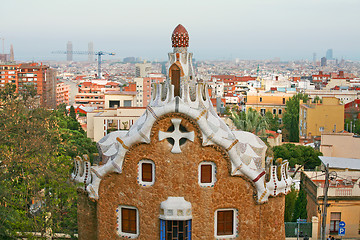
[{"x": 251, "y": 121}]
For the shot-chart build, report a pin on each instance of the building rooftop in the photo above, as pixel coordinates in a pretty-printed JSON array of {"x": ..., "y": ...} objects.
[{"x": 341, "y": 163}]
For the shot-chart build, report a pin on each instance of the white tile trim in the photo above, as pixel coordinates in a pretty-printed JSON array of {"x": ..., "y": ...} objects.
[
  {"x": 119, "y": 218},
  {"x": 235, "y": 224},
  {"x": 139, "y": 177},
  {"x": 213, "y": 174}
]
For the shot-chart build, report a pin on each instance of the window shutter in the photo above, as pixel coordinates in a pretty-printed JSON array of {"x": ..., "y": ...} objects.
[
  {"x": 146, "y": 174},
  {"x": 206, "y": 173},
  {"x": 225, "y": 222},
  {"x": 128, "y": 220}
]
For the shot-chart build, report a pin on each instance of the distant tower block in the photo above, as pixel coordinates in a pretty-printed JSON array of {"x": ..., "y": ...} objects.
[
  {"x": 91, "y": 51},
  {"x": 11, "y": 53},
  {"x": 329, "y": 54},
  {"x": 314, "y": 58},
  {"x": 69, "y": 49}
]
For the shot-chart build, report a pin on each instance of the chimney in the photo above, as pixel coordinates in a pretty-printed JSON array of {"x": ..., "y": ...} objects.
[
  {"x": 320, "y": 72},
  {"x": 276, "y": 78}
]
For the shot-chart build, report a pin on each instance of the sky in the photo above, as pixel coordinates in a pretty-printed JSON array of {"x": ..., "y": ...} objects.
[{"x": 218, "y": 29}]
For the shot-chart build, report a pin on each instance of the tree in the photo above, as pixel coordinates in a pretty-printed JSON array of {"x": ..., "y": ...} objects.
[
  {"x": 296, "y": 154},
  {"x": 355, "y": 128},
  {"x": 273, "y": 121},
  {"x": 290, "y": 200},
  {"x": 36, "y": 150},
  {"x": 72, "y": 112},
  {"x": 251, "y": 121},
  {"x": 291, "y": 116},
  {"x": 300, "y": 205},
  {"x": 317, "y": 99}
]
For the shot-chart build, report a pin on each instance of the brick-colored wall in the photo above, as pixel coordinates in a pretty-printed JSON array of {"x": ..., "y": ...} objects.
[
  {"x": 177, "y": 176},
  {"x": 87, "y": 221}
]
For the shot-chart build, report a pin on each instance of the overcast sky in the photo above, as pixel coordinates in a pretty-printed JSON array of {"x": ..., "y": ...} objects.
[{"x": 218, "y": 29}]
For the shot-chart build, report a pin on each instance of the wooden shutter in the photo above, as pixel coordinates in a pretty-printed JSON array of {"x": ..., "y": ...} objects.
[
  {"x": 175, "y": 80},
  {"x": 128, "y": 220},
  {"x": 225, "y": 222},
  {"x": 146, "y": 175},
  {"x": 206, "y": 173}
]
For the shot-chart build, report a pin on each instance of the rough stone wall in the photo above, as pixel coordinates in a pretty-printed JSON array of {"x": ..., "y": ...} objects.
[
  {"x": 87, "y": 220},
  {"x": 176, "y": 175}
]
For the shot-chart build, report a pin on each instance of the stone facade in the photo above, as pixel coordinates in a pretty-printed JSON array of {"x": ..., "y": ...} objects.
[
  {"x": 177, "y": 135},
  {"x": 177, "y": 175},
  {"x": 87, "y": 220}
]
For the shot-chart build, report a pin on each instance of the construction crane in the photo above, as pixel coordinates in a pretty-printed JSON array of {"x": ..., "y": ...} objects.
[{"x": 99, "y": 54}]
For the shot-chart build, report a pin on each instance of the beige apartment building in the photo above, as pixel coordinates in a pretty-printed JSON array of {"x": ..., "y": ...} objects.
[
  {"x": 115, "y": 99},
  {"x": 345, "y": 145},
  {"x": 262, "y": 102},
  {"x": 318, "y": 118},
  {"x": 102, "y": 122}
]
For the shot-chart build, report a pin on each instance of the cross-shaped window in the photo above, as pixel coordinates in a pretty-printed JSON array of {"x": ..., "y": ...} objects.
[{"x": 176, "y": 135}]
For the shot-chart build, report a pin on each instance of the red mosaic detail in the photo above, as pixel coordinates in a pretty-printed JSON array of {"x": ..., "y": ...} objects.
[
  {"x": 258, "y": 177},
  {"x": 180, "y": 37}
]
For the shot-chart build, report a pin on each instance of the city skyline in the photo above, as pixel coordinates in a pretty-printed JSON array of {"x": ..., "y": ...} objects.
[{"x": 218, "y": 30}]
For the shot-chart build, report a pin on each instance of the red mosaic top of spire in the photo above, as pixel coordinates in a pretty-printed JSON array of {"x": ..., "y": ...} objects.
[{"x": 180, "y": 37}]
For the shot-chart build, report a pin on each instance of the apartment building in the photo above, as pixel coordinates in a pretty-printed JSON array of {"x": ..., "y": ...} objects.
[
  {"x": 343, "y": 196},
  {"x": 42, "y": 77},
  {"x": 143, "y": 88},
  {"x": 342, "y": 144},
  {"x": 62, "y": 93},
  {"x": 318, "y": 118},
  {"x": 92, "y": 93},
  {"x": 345, "y": 96},
  {"x": 270, "y": 101},
  {"x": 115, "y": 99},
  {"x": 352, "y": 109},
  {"x": 142, "y": 69},
  {"x": 102, "y": 122}
]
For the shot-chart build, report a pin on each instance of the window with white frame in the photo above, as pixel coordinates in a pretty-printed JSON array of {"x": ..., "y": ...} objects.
[
  {"x": 128, "y": 221},
  {"x": 274, "y": 111},
  {"x": 146, "y": 173},
  {"x": 226, "y": 223},
  {"x": 207, "y": 174}
]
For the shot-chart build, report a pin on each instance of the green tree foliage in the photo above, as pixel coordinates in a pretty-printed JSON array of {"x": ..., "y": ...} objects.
[
  {"x": 273, "y": 121},
  {"x": 317, "y": 99},
  {"x": 291, "y": 117},
  {"x": 290, "y": 200},
  {"x": 36, "y": 147},
  {"x": 297, "y": 154},
  {"x": 355, "y": 125},
  {"x": 72, "y": 112},
  {"x": 250, "y": 121},
  {"x": 300, "y": 205}
]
